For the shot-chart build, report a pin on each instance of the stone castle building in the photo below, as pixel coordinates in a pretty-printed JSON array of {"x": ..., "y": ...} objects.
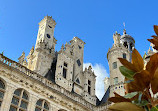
[{"x": 46, "y": 80}]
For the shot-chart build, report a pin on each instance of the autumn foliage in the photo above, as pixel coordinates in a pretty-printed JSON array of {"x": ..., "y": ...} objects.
[{"x": 141, "y": 82}]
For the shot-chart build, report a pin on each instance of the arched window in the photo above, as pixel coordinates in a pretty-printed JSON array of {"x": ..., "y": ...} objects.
[
  {"x": 2, "y": 91},
  {"x": 125, "y": 44},
  {"x": 42, "y": 105},
  {"x": 19, "y": 100}
]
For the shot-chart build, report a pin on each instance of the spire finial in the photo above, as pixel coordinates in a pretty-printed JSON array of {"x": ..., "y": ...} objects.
[
  {"x": 124, "y": 25},
  {"x": 124, "y": 30}
]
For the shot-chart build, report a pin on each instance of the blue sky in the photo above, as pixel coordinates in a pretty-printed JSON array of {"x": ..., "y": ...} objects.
[{"x": 94, "y": 21}]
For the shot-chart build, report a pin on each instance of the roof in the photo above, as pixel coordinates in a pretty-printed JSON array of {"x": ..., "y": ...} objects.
[
  {"x": 125, "y": 35},
  {"x": 105, "y": 97}
]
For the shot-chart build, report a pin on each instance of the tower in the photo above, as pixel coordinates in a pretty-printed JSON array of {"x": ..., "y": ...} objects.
[
  {"x": 77, "y": 46},
  {"x": 122, "y": 48},
  {"x": 40, "y": 58}
]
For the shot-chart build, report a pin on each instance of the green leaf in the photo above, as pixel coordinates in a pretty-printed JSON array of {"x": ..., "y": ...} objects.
[
  {"x": 140, "y": 97},
  {"x": 129, "y": 81},
  {"x": 130, "y": 95},
  {"x": 141, "y": 103},
  {"x": 154, "y": 108},
  {"x": 126, "y": 72}
]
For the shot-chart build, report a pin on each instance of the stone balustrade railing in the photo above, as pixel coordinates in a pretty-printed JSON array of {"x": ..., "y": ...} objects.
[{"x": 45, "y": 81}]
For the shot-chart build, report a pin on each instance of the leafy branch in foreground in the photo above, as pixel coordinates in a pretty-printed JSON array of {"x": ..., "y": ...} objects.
[{"x": 141, "y": 82}]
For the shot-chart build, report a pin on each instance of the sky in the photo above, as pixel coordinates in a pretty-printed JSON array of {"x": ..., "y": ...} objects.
[{"x": 93, "y": 21}]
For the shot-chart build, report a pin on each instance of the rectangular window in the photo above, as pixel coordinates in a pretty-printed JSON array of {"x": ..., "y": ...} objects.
[
  {"x": 89, "y": 86},
  {"x": 124, "y": 55},
  {"x": 89, "y": 90},
  {"x": 114, "y": 64},
  {"x": 89, "y": 82},
  {"x": 64, "y": 72},
  {"x": 65, "y": 69},
  {"x": 115, "y": 80}
]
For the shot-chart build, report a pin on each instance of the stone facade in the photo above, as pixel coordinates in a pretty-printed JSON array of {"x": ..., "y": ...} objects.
[{"x": 46, "y": 80}]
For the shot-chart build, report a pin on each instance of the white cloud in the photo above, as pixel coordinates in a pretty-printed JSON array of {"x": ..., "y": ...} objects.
[{"x": 101, "y": 73}]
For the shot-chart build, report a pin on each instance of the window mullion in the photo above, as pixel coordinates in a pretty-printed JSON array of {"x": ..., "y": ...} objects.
[
  {"x": 43, "y": 105},
  {"x": 20, "y": 98}
]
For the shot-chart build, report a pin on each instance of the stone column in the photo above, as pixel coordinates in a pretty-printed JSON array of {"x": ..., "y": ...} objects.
[
  {"x": 32, "y": 102},
  {"x": 7, "y": 98}
]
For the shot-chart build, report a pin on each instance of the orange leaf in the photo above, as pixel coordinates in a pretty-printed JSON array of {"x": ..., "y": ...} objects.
[
  {"x": 154, "y": 41},
  {"x": 154, "y": 82},
  {"x": 117, "y": 95},
  {"x": 127, "y": 64},
  {"x": 142, "y": 79},
  {"x": 131, "y": 87},
  {"x": 155, "y": 103},
  {"x": 154, "y": 36},
  {"x": 118, "y": 98},
  {"x": 152, "y": 64},
  {"x": 137, "y": 60},
  {"x": 156, "y": 29}
]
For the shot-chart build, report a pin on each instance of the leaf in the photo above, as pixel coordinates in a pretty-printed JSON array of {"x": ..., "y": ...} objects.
[
  {"x": 141, "y": 103},
  {"x": 155, "y": 39},
  {"x": 155, "y": 103},
  {"x": 131, "y": 95},
  {"x": 128, "y": 81},
  {"x": 142, "y": 79},
  {"x": 125, "y": 106},
  {"x": 118, "y": 98},
  {"x": 154, "y": 108},
  {"x": 126, "y": 72},
  {"x": 140, "y": 98},
  {"x": 130, "y": 87},
  {"x": 127, "y": 64},
  {"x": 156, "y": 29},
  {"x": 137, "y": 60},
  {"x": 152, "y": 64},
  {"x": 154, "y": 82},
  {"x": 155, "y": 42}
]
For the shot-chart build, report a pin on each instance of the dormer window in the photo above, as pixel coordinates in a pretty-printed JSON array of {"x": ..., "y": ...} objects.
[
  {"x": 89, "y": 86},
  {"x": 65, "y": 70},
  {"x": 78, "y": 81}
]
